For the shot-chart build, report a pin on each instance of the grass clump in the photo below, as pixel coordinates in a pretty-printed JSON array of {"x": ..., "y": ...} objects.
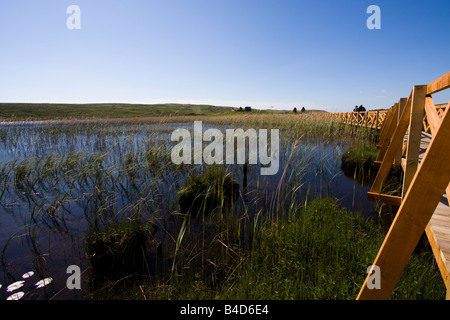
[
  {"x": 360, "y": 160},
  {"x": 203, "y": 193},
  {"x": 118, "y": 250}
]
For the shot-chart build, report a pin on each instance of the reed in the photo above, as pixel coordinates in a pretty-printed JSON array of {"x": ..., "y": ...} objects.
[{"x": 117, "y": 176}]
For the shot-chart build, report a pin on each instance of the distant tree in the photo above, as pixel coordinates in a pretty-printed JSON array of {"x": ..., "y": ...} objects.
[
  {"x": 240, "y": 109},
  {"x": 303, "y": 109},
  {"x": 295, "y": 110}
]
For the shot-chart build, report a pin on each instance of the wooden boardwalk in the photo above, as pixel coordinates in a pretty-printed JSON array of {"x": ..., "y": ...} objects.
[
  {"x": 414, "y": 135},
  {"x": 438, "y": 234}
]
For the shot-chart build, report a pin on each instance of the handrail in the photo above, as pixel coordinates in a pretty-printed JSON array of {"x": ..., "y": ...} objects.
[{"x": 369, "y": 119}]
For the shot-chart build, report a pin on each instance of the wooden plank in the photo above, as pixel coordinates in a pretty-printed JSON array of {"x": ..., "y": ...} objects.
[
  {"x": 421, "y": 200},
  {"x": 375, "y": 122},
  {"x": 388, "y": 133},
  {"x": 386, "y": 125},
  {"x": 438, "y": 233},
  {"x": 439, "y": 84},
  {"x": 437, "y": 254},
  {"x": 432, "y": 115},
  {"x": 398, "y": 156},
  {"x": 414, "y": 136},
  {"x": 384, "y": 198},
  {"x": 433, "y": 121}
]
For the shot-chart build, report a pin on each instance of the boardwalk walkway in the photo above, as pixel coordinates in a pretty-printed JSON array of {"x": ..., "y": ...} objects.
[{"x": 414, "y": 135}]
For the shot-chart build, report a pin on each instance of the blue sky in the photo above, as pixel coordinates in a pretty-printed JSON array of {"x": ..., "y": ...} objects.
[{"x": 263, "y": 53}]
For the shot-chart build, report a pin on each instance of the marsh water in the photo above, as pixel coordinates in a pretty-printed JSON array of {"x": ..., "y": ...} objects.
[{"x": 58, "y": 178}]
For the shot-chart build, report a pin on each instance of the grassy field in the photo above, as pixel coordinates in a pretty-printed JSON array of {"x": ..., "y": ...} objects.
[
  {"x": 48, "y": 111},
  {"x": 58, "y": 111}
]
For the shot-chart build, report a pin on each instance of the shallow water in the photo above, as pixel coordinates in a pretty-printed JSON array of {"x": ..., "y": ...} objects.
[{"x": 43, "y": 220}]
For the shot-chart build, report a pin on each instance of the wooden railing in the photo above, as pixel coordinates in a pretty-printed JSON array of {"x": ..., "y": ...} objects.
[
  {"x": 368, "y": 119},
  {"x": 415, "y": 135}
]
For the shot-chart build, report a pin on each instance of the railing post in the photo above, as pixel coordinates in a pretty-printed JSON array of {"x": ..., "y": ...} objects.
[{"x": 376, "y": 120}]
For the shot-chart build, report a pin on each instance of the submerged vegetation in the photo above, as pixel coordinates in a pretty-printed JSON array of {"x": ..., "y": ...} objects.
[{"x": 107, "y": 194}]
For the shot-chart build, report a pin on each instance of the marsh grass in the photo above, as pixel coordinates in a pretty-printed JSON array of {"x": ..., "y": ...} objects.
[
  {"x": 202, "y": 193},
  {"x": 117, "y": 176},
  {"x": 360, "y": 158},
  {"x": 358, "y": 162},
  {"x": 118, "y": 250},
  {"x": 320, "y": 252}
]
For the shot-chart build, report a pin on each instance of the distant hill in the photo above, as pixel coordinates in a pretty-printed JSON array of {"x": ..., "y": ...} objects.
[{"x": 46, "y": 111}]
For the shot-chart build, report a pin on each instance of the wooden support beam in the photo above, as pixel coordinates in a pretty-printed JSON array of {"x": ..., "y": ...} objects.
[
  {"x": 414, "y": 135},
  {"x": 388, "y": 133},
  {"x": 418, "y": 205},
  {"x": 384, "y": 126},
  {"x": 432, "y": 115},
  {"x": 398, "y": 157},
  {"x": 394, "y": 146},
  {"x": 385, "y": 198}
]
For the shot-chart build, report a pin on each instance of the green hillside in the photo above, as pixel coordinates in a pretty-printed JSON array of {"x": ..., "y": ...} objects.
[{"x": 45, "y": 111}]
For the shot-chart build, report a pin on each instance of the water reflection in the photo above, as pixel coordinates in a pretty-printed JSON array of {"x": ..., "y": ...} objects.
[{"x": 59, "y": 178}]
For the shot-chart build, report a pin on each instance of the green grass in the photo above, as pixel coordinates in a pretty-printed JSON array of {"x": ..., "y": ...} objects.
[
  {"x": 59, "y": 111},
  {"x": 117, "y": 250},
  {"x": 321, "y": 252},
  {"x": 359, "y": 160},
  {"x": 52, "y": 111},
  {"x": 202, "y": 193}
]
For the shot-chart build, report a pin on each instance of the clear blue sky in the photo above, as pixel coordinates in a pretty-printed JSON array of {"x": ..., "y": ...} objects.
[{"x": 263, "y": 53}]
